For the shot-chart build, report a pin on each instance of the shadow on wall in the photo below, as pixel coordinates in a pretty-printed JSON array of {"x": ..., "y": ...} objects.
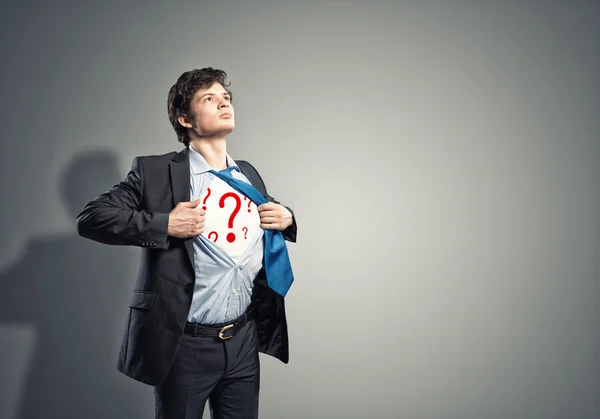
[{"x": 74, "y": 293}]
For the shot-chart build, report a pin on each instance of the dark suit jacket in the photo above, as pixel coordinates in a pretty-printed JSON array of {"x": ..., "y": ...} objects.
[{"x": 135, "y": 212}]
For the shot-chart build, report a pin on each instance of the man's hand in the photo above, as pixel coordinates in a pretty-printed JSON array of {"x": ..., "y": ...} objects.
[
  {"x": 185, "y": 220},
  {"x": 274, "y": 216}
]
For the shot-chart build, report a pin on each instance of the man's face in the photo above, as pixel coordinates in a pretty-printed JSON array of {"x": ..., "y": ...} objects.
[{"x": 209, "y": 111}]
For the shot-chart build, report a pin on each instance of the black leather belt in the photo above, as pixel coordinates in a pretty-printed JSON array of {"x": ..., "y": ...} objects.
[{"x": 222, "y": 331}]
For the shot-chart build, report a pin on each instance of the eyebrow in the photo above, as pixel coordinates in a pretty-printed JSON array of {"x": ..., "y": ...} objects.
[{"x": 214, "y": 94}]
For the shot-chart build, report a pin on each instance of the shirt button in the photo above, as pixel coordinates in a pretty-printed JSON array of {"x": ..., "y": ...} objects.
[{"x": 189, "y": 287}]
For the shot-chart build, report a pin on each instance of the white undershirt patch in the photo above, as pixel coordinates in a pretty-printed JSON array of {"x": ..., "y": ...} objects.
[{"x": 231, "y": 221}]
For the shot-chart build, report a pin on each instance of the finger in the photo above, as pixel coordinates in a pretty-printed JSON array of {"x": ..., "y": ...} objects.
[
  {"x": 268, "y": 213},
  {"x": 192, "y": 204},
  {"x": 266, "y": 206},
  {"x": 270, "y": 220},
  {"x": 271, "y": 226}
]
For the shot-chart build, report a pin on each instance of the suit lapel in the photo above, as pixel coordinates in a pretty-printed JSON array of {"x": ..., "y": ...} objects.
[
  {"x": 180, "y": 185},
  {"x": 251, "y": 175}
]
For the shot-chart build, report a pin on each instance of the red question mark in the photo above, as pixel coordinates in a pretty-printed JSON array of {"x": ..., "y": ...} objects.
[
  {"x": 245, "y": 231},
  {"x": 249, "y": 202},
  {"x": 205, "y": 198},
  {"x": 238, "y": 204},
  {"x": 216, "y": 235}
]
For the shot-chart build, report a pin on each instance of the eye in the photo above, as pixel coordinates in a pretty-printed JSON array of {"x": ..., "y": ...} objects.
[{"x": 209, "y": 98}]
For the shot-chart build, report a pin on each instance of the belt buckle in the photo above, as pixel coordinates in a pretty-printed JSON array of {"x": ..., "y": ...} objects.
[{"x": 224, "y": 328}]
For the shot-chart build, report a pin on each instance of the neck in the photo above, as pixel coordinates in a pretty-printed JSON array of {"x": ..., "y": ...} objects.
[{"x": 213, "y": 150}]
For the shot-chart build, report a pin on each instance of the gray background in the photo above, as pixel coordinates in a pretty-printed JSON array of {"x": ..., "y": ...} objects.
[{"x": 442, "y": 159}]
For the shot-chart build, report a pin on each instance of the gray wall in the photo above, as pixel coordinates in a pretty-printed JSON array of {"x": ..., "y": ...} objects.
[{"x": 442, "y": 159}]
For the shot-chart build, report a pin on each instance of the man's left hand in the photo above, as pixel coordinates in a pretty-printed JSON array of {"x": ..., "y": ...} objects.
[{"x": 274, "y": 216}]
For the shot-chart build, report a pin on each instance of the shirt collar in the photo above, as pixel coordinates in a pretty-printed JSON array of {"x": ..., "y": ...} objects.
[{"x": 199, "y": 165}]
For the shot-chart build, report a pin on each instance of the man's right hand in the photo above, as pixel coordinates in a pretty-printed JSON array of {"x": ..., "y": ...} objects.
[{"x": 185, "y": 220}]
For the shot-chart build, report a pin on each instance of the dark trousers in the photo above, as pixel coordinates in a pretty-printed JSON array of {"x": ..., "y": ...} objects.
[{"x": 224, "y": 372}]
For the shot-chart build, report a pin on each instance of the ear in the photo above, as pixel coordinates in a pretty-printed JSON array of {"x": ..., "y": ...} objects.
[{"x": 184, "y": 121}]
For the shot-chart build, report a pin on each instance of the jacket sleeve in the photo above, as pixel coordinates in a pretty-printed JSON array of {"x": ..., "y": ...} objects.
[{"x": 116, "y": 216}]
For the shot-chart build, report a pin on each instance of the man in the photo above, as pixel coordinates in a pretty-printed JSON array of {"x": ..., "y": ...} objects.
[{"x": 203, "y": 306}]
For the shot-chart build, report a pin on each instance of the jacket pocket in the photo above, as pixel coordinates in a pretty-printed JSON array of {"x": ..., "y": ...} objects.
[{"x": 142, "y": 300}]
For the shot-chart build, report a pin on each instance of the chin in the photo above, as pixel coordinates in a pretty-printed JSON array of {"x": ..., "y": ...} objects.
[
  {"x": 229, "y": 125},
  {"x": 229, "y": 129}
]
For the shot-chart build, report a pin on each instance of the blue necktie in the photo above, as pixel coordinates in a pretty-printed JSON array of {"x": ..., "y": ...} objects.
[{"x": 276, "y": 259}]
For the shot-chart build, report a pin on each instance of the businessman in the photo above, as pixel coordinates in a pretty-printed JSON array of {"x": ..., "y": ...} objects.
[{"x": 206, "y": 301}]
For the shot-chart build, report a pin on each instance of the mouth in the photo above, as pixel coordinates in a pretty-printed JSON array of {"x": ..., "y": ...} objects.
[{"x": 226, "y": 116}]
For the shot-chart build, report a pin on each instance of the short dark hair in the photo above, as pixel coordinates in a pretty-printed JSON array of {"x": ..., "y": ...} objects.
[{"x": 184, "y": 89}]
